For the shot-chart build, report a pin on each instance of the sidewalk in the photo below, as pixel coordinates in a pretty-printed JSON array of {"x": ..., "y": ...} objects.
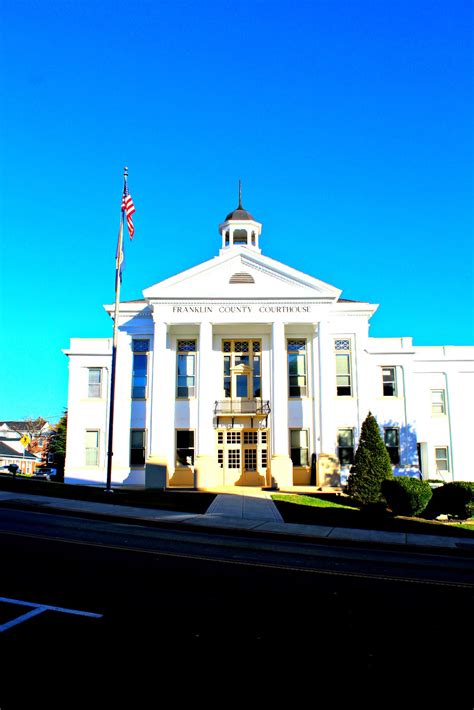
[{"x": 252, "y": 512}]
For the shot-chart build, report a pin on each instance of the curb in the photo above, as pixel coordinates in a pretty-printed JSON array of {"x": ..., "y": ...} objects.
[{"x": 459, "y": 548}]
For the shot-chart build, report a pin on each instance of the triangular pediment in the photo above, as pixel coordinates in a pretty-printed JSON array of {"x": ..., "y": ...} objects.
[{"x": 242, "y": 274}]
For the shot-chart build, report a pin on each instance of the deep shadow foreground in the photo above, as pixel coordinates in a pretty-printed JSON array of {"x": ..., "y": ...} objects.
[
  {"x": 184, "y": 500},
  {"x": 182, "y": 630}
]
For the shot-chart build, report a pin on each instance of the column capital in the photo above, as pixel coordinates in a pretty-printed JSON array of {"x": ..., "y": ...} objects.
[{"x": 156, "y": 318}]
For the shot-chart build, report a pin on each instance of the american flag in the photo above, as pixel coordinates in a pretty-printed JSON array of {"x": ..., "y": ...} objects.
[
  {"x": 120, "y": 256},
  {"x": 129, "y": 208}
]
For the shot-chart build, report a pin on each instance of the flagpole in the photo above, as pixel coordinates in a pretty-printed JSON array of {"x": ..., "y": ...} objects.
[{"x": 119, "y": 255}]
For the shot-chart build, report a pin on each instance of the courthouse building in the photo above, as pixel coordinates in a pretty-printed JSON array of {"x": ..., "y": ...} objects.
[{"x": 246, "y": 371}]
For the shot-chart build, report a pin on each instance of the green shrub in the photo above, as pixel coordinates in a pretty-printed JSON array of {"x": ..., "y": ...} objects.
[
  {"x": 371, "y": 465},
  {"x": 406, "y": 496},
  {"x": 453, "y": 499}
]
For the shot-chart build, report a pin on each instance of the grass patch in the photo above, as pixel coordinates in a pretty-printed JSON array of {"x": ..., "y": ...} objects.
[
  {"x": 340, "y": 511},
  {"x": 183, "y": 501},
  {"x": 316, "y": 501},
  {"x": 466, "y": 525}
]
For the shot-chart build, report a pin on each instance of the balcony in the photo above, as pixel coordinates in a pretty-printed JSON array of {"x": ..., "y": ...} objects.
[{"x": 252, "y": 407}]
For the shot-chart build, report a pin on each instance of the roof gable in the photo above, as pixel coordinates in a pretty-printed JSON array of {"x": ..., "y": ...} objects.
[
  {"x": 242, "y": 274},
  {"x": 8, "y": 451}
]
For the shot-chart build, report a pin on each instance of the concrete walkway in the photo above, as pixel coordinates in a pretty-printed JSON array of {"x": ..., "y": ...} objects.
[{"x": 250, "y": 507}]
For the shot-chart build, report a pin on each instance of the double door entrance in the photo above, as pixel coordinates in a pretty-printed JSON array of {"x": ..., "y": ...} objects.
[{"x": 243, "y": 456}]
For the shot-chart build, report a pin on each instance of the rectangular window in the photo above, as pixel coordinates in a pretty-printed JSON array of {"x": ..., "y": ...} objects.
[
  {"x": 250, "y": 459},
  {"x": 184, "y": 447},
  {"x": 343, "y": 367},
  {"x": 242, "y": 375},
  {"x": 345, "y": 446},
  {"x": 137, "y": 447},
  {"x": 242, "y": 385},
  {"x": 140, "y": 368},
  {"x": 94, "y": 389},
  {"x": 392, "y": 443},
  {"x": 297, "y": 368},
  {"x": 389, "y": 381},
  {"x": 227, "y": 378},
  {"x": 233, "y": 458},
  {"x": 186, "y": 369},
  {"x": 299, "y": 447},
  {"x": 438, "y": 402},
  {"x": 92, "y": 447},
  {"x": 442, "y": 459},
  {"x": 257, "y": 375}
]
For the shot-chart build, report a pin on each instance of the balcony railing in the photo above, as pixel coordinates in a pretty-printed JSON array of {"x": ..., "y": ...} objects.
[{"x": 242, "y": 406}]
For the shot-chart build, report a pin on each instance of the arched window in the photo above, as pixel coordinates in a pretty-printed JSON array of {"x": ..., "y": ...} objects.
[
  {"x": 253, "y": 238},
  {"x": 240, "y": 236},
  {"x": 227, "y": 238}
]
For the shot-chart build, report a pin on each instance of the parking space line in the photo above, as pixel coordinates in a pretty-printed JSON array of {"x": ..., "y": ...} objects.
[
  {"x": 37, "y": 609},
  {"x": 21, "y": 619}
]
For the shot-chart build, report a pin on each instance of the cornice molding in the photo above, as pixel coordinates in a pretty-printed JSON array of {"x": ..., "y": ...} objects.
[
  {"x": 257, "y": 301},
  {"x": 278, "y": 275}
]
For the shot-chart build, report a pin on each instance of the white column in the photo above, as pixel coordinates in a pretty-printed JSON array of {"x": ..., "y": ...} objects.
[
  {"x": 453, "y": 384},
  {"x": 207, "y": 472},
  {"x": 316, "y": 392},
  {"x": 161, "y": 432},
  {"x": 327, "y": 467},
  {"x": 281, "y": 466},
  {"x": 327, "y": 389}
]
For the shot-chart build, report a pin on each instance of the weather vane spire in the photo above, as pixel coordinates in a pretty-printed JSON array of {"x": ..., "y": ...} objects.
[{"x": 240, "y": 194}]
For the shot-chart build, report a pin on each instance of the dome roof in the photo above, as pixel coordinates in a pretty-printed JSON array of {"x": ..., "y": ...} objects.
[{"x": 239, "y": 213}]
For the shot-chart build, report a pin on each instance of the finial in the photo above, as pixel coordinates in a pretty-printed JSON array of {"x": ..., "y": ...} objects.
[
  {"x": 125, "y": 172},
  {"x": 240, "y": 195}
]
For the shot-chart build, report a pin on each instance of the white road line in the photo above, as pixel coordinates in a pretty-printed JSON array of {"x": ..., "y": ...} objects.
[
  {"x": 37, "y": 609},
  {"x": 21, "y": 619}
]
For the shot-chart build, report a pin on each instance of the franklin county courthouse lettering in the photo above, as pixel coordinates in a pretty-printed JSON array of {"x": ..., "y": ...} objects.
[{"x": 245, "y": 371}]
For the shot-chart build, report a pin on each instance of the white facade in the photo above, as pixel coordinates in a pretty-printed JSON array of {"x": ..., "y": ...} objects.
[{"x": 245, "y": 371}]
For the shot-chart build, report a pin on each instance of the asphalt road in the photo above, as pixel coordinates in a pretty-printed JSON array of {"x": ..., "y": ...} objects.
[{"x": 191, "y": 616}]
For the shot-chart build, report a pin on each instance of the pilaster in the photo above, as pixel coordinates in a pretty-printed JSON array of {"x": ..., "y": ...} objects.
[{"x": 408, "y": 435}]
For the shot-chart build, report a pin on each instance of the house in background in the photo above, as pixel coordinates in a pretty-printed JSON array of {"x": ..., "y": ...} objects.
[
  {"x": 9, "y": 454},
  {"x": 37, "y": 429},
  {"x": 245, "y": 371}
]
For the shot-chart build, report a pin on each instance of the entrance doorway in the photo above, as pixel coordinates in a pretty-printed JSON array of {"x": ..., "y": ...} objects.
[{"x": 243, "y": 456}]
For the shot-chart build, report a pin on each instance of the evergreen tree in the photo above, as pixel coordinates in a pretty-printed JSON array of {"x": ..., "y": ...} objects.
[
  {"x": 57, "y": 445},
  {"x": 371, "y": 465}
]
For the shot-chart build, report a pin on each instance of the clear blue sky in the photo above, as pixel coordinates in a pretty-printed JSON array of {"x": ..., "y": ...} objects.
[{"x": 350, "y": 124}]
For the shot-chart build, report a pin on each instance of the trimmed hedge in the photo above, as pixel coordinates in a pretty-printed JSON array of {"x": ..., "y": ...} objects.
[
  {"x": 453, "y": 499},
  {"x": 406, "y": 496}
]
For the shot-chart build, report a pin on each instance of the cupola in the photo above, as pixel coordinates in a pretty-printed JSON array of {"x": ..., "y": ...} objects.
[{"x": 240, "y": 230}]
